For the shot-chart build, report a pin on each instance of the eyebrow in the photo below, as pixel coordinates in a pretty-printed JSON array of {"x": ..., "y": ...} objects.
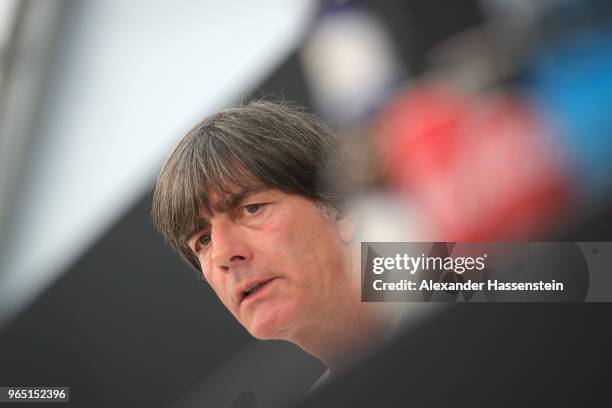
[{"x": 226, "y": 205}]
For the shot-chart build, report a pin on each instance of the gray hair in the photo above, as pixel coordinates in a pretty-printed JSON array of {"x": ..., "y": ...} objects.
[{"x": 261, "y": 144}]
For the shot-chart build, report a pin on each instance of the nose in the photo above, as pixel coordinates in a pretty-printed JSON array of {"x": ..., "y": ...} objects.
[{"x": 230, "y": 248}]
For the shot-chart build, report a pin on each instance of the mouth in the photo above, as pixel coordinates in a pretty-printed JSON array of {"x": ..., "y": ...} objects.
[{"x": 252, "y": 289}]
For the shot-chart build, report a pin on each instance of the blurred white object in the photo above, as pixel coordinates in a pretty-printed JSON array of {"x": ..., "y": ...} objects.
[
  {"x": 129, "y": 78},
  {"x": 350, "y": 63}
]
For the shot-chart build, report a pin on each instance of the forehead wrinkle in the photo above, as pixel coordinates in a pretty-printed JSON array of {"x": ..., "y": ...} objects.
[
  {"x": 227, "y": 203},
  {"x": 230, "y": 201}
]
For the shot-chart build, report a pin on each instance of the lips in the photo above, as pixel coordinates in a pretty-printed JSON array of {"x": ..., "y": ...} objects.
[
  {"x": 253, "y": 290},
  {"x": 250, "y": 287}
]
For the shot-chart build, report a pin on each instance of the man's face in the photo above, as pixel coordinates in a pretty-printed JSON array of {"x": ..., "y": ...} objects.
[{"x": 275, "y": 262}]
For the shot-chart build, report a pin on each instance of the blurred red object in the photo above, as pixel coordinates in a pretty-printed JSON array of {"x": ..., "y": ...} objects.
[{"x": 481, "y": 169}]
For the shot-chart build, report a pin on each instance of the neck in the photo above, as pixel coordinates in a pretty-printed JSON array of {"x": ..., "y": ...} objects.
[{"x": 347, "y": 337}]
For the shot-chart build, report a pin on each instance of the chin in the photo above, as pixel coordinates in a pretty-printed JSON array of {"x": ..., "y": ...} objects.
[
  {"x": 264, "y": 333},
  {"x": 270, "y": 325}
]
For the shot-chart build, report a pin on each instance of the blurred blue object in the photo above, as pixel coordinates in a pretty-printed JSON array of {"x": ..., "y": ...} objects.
[{"x": 572, "y": 83}]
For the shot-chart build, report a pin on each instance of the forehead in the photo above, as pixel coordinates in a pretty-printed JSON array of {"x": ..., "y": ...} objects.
[
  {"x": 222, "y": 202},
  {"x": 214, "y": 202}
]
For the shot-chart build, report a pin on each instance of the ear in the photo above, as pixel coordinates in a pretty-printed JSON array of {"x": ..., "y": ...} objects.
[{"x": 347, "y": 226}]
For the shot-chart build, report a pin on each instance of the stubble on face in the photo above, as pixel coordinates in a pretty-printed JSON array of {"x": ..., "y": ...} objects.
[{"x": 303, "y": 252}]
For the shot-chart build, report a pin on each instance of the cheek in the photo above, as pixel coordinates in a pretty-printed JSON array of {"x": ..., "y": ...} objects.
[
  {"x": 218, "y": 284},
  {"x": 309, "y": 256},
  {"x": 215, "y": 280},
  {"x": 204, "y": 263},
  {"x": 289, "y": 232},
  {"x": 283, "y": 246}
]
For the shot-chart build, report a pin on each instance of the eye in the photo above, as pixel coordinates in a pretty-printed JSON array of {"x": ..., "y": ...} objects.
[
  {"x": 204, "y": 240},
  {"x": 253, "y": 208}
]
